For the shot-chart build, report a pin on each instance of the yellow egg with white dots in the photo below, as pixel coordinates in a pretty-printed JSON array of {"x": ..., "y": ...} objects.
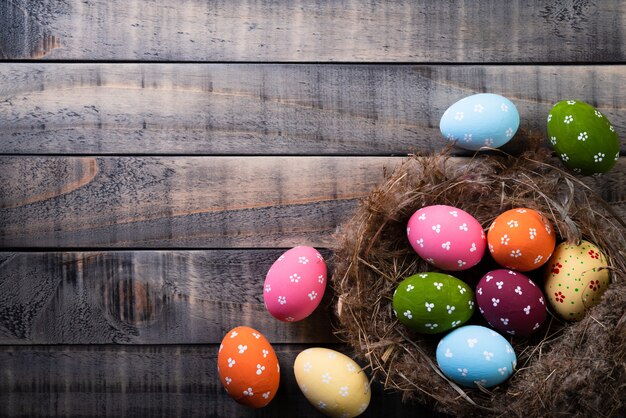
[
  {"x": 332, "y": 382},
  {"x": 575, "y": 279}
]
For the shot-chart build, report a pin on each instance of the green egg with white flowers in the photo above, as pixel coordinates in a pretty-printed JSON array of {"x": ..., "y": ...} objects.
[
  {"x": 431, "y": 303},
  {"x": 583, "y": 137}
]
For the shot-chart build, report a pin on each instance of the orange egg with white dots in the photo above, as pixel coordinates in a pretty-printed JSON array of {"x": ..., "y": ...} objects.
[
  {"x": 248, "y": 367},
  {"x": 521, "y": 239}
]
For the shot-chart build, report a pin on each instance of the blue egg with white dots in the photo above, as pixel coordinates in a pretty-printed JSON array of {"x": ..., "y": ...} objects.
[
  {"x": 480, "y": 120},
  {"x": 473, "y": 355}
]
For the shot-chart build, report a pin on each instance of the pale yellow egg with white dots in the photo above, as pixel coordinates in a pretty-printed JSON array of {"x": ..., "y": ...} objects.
[{"x": 332, "y": 382}]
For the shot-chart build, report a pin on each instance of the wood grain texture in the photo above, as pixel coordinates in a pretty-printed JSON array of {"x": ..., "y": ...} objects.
[
  {"x": 194, "y": 202},
  {"x": 355, "y": 30},
  {"x": 288, "y": 109},
  {"x": 144, "y": 297},
  {"x": 163, "y": 381},
  {"x": 208, "y": 202}
]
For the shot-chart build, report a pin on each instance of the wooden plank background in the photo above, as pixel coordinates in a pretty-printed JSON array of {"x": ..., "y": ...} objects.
[
  {"x": 350, "y": 30},
  {"x": 157, "y": 157},
  {"x": 282, "y": 109}
]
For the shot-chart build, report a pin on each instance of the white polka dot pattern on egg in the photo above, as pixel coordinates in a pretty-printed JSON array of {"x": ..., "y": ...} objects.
[
  {"x": 246, "y": 367},
  {"x": 295, "y": 284},
  {"x": 480, "y": 119},
  {"x": 332, "y": 382},
  {"x": 473, "y": 355}
]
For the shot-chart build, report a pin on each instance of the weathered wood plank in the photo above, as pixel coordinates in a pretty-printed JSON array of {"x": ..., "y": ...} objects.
[
  {"x": 273, "y": 109},
  {"x": 143, "y": 297},
  {"x": 357, "y": 30},
  {"x": 206, "y": 202},
  {"x": 146, "y": 381}
]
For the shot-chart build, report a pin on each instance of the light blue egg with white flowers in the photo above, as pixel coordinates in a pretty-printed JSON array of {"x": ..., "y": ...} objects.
[
  {"x": 480, "y": 120},
  {"x": 473, "y": 355}
]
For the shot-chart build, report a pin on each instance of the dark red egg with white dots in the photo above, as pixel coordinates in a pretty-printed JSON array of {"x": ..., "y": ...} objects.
[{"x": 511, "y": 302}]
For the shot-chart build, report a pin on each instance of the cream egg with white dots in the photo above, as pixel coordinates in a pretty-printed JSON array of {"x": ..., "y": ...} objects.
[{"x": 332, "y": 382}]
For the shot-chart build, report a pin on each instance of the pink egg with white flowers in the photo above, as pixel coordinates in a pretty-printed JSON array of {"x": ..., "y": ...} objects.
[
  {"x": 446, "y": 237},
  {"x": 295, "y": 284}
]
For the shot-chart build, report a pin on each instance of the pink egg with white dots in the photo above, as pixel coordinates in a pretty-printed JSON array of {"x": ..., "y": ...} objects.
[
  {"x": 295, "y": 284},
  {"x": 446, "y": 237}
]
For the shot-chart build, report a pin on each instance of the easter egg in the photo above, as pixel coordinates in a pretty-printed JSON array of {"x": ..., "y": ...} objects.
[
  {"x": 521, "y": 239},
  {"x": 480, "y": 120},
  {"x": 332, "y": 382},
  {"x": 295, "y": 284},
  {"x": 431, "y": 303},
  {"x": 248, "y": 367},
  {"x": 575, "y": 279},
  {"x": 582, "y": 137},
  {"x": 511, "y": 302},
  {"x": 446, "y": 237},
  {"x": 473, "y": 355}
]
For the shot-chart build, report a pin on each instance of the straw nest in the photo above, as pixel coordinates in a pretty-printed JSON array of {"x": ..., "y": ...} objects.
[{"x": 567, "y": 369}]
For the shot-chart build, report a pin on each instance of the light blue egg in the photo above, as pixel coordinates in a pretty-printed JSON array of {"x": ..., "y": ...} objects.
[
  {"x": 480, "y": 120},
  {"x": 473, "y": 354}
]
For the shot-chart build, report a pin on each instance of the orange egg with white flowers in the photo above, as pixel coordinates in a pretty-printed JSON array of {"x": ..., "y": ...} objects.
[
  {"x": 521, "y": 239},
  {"x": 248, "y": 367}
]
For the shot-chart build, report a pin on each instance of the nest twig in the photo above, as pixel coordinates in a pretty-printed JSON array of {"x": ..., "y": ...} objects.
[{"x": 573, "y": 369}]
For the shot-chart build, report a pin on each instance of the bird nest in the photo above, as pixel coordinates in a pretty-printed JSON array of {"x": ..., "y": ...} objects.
[{"x": 573, "y": 369}]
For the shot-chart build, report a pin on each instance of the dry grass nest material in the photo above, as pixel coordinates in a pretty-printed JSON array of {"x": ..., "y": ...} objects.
[{"x": 570, "y": 369}]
